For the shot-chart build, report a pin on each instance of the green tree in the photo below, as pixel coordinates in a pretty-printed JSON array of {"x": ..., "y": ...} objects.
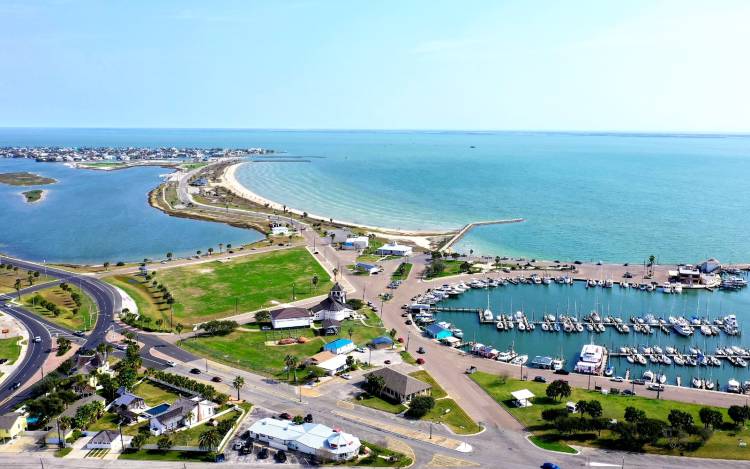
[
  {"x": 238, "y": 383},
  {"x": 558, "y": 389},
  {"x": 582, "y": 407},
  {"x": 315, "y": 281},
  {"x": 594, "y": 409},
  {"x": 138, "y": 441},
  {"x": 680, "y": 420},
  {"x": 209, "y": 440},
  {"x": 710, "y": 417},
  {"x": 262, "y": 316},
  {"x": 179, "y": 328},
  {"x": 164, "y": 442},
  {"x": 374, "y": 384},
  {"x": 65, "y": 423},
  {"x": 738, "y": 414},
  {"x": 419, "y": 406},
  {"x": 634, "y": 415}
]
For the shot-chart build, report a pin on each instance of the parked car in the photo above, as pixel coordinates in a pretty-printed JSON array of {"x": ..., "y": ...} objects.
[
  {"x": 263, "y": 453},
  {"x": 216, "y": 379},
  {"x": 239, "y": 444},
  {"x": 408, "y": 322},
  {"x": 639, "y": 381},
  {"x": 387, "y": 362},
  {"x": 562, "y": 371},
  {"x": 285, "y": 416},
  {"x": 346, "y": 376},
  {"x": 655, "y": 386},
  {"x": 618, "y": 379},
  {"x": 360, "y": 349},
  {"x": 628, "y": 392},
  {"x": 420, "y": 361},
  {"x": 421, "y": 350},
  {"x": 540, "y": 379},
  {"x": 195, "y": 371},
  {"x": 170, "y": 363}
]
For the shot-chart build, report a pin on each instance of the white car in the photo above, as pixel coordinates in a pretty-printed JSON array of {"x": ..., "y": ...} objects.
[
  {"x": 655, "y": 387},
  {"x": 346, "y": 376},
  {"x": 618, "y": 379},
  {"x": 37, "y": 339},
  {"x": 171, "y": 363}
]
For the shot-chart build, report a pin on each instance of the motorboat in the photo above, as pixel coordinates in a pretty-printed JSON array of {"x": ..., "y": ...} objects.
[
  {"x": 666, "y": 288},
  {"x": 661, "y": 378},
  {"x": 648, "y": 375},
  {"x": 709, "y": 384},
  {"x": 609, "y": 371},
  {"x": 557, "y": 364},
  {"x": 520, "y": 360},
  {"x": 506, "y": 356},
  {"x": 733, "y": 386},
  {"x": 697, "y": 382}
]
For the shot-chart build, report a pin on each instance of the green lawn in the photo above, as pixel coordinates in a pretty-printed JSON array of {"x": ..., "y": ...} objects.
[
  {"x": 218, "y": 289},
  {"x": 84, "y": 320},
  {"x": 10, "y": 349},
  {"x": 248, "y": 349},
  {"x": 379, "y": 457},
  {"x": 452, "y": 267},
  {"x": 447, "y": 411},
  {"x": 408, "y": 358},
  {"x": 402, "y": 271},
  {"x": 551, "y": 444},
  {"x": 437, "y": 391},
  {"x": 723, "y": 443},
  {"x": 380, "y": 404},
  {"x": 154, "y": 394}
]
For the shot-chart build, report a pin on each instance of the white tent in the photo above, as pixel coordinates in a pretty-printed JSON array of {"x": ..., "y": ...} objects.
[{"x": 523, "y": 397}]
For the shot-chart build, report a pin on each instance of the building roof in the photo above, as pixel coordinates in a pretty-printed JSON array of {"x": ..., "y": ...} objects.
[
  {"x": 434, "y": 329},
  {"x": 320, "y": 357},
  {"x": 334, "y": 363},
  {"x": 7, "y": 420},
  {"x": 330, "y": 304},
  {"x": 522, "y": 395},
  {"x": 337, "y": 287},
  {"x": 126, "y": 399},
  {"x": 338, "y": 343},
  {"x": 400, "y": 383},
  {"x": 290, "y": 313},
  {"x": 312, "y": 435},
  {"x": 177, "y": 411},
  {"x": 382, "y": 340},
  {"x": 105, "y": 437},
  {"x": 328, "y": 323}
]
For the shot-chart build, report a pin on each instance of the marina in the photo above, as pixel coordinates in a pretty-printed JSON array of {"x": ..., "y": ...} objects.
[{"x": 692, "y": 338}]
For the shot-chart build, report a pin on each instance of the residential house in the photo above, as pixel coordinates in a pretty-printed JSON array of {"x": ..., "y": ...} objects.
[
  {"x": 11, "y": 425},
  {"x": 286, "y": 318},
  {"x": 401, "y": 387},
  {"x": 339, "y": 346},
  {"x": 381, "y": 342},
  {"x": 394, "y": 249},
  {"x": 320, "y": 441},
  {"x": 333, "y": 365},
  {"x": 319, "y": 358},
  {"x": 130, "y": 402},
  {"x": 53, "y": 437},
  {"x": 339, "y": 235},
  {"x": 106, "y": 439},
  {"x": 88, "y": 365},
  {"x": 185, "y": 412}
]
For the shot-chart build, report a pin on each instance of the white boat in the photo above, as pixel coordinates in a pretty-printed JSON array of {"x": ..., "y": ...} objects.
[
  {"x": 641, "y": 359},
  {"x": 666, "y": 288},
  {"x": 648, "y": 375},
  {"x": 733, "y": 386},
  {"x": 545, "y": 326},
  {"x": 631, "y": 358},
  {"x": 520, "y": 360},
  {"x": 697, "y": 382},
  {"x": 557, "y": 364},
  {"x": 487, "y": 315},
  {"x": 579, "y": 327},
  {"x": 609, "y": 371},
  {"x": 677, "y": 288},
  {"x": 457, "y": 333},
  {"x": 506, "y": 356},
  {"x": 709, "y": 384},
  {"x": 661, "y": 378}
]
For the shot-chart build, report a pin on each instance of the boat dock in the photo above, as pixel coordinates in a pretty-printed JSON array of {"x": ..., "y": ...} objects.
[{"x": 462, "y": 232}]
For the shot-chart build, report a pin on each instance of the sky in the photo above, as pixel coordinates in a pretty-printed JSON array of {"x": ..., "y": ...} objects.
[{"x": 482, "y": 65}]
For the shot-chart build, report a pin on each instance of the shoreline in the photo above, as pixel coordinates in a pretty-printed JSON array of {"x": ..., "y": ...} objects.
[{"x": 418, "y": 237}]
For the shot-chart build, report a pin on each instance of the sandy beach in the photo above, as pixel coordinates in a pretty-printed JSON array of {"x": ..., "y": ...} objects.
[{"x": 423, "y": 239}]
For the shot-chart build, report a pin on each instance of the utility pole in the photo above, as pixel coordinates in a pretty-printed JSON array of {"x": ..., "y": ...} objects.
[{"x": 408, "y": 336}]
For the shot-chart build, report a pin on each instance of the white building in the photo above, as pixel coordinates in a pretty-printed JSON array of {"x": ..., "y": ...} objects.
[
  {"x": 183, "y": 413},
  {"x": 356, "y": 243},
  {"x": 394, "y": 249},
  {"x": 291, "y": 317},
  {"x": 314, "y": 439},
  {"x": 522, "y": 398},
  {"x": 333, "y": 365},
  {"x": 106, "y": 439},
  {"x": 334, "y": 307}
]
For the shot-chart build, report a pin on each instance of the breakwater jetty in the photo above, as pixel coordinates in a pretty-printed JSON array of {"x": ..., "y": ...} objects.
[{"x": 462, "y": 232}]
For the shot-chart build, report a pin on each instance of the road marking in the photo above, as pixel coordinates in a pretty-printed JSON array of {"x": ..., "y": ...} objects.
[{"x": 442, "y": 460}]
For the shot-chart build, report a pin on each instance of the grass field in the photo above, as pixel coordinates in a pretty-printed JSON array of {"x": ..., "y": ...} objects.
[
  {"x": 452, "y": 267},
  {"x": 157, "y": 455},
  {"x": 446, "y": 410},
  {"x": 380, "y": 404},
  {"x": 408, "y": 358},
  {"x": 437, "y": 391},
  {"x": 10, "y": 349},
  {"x": 723, "y": 443},
  {"x": 154, "y": 394},
  {"x": 8, "y": 279},
  {"x": 219, "y": 289},
  {"x": 24, "y": 179},
  {"x": 402, "y": 271},
  {"x": 84, "y": 320}
]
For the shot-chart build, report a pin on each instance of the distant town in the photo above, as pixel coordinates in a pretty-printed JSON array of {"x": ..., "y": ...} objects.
[{"x": 70, "y": 154}]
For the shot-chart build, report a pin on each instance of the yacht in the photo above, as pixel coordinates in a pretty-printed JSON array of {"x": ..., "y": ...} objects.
[
  {"x": 677, "y": 288},
  {"x": 520, "y": 360},
  {"x": 458, "y": 333},
  {"x": 648, "y": 375},
  {"x": 682, "y": 327},
  {"x": 661, "y": 378},
  {"x": 733, "y": 386},
  {"x": 697, "y": 382},
  {"x": 506, "y": 356},
  {"x": 709, "y": 384},
  {"x": 557, "y": 364},
  {"x": 609, "y": 371},
  {"x": 666, "y": 287},
  {"x": 487, "y": 315}
]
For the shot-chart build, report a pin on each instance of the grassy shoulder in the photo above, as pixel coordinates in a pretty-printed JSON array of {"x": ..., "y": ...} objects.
[
  {"x": 254, "y": 350},
  {"x": 170, "y": 455},
  {"x": 402, "y": 271},
  {"x": 382, "y": 457},
  {"x": 446, "y": 410},
  {"x": 148, "y": 299},
  {"x": 10, "y": 275},
  {"x": 723, "y": 443},
  {"x": 379, "y": 403},
  {"x": 79, "y": 316},
  {"x": 219, "y": 289},
  {"x": 10, "y": 349}
]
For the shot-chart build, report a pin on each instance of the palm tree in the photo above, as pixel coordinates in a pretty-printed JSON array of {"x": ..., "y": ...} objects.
[
  {"x": 289, "y": 362},
  {"x": 209, "y": 440},
  {"x": 169, "y": 256},
  {"x": 179, "y": 328},
  {"x": 238, "y": 382},
  {"x": 335, "y": 273},
  {"x": 229, "y": 246},
  {"x": 350, "y": 331},
  {"x": 198, "y": 252},
  {"x": 315, "y": 281},
  {"x": 63, "y": 423},
  {"x": 295, "y": 362},
  {"x": 651, "y": 262},
  {"x": 333, "y": 236},
  {"x": 17, "y": 286},
  {"x": 210, "y": 251},
  {"x": 106, "y": 266}
]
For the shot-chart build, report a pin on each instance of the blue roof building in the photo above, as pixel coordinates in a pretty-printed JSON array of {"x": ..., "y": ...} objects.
[
  {"x": 437, "y": 332},
  {"x": 381, "y": 342},
  {"x": 339, "y": 346}
]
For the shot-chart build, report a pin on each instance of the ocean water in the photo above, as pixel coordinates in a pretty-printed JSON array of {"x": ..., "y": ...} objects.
[
  {"x": 536, "y": 300},
  {"x": 609, "y": 197},
  {"x": 95, "y": 216}
]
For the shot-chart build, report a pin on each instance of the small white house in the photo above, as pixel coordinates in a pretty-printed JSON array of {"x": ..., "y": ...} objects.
[
  {"x": 106, "y": 439},
  {"x": 334, "y": 365},
  {"x": 394, "y": 249},
  {"x": 286, "y": 318},
  {"x": 279, "y": 230},
  {"x": 366, "y": 268},
  {"x": 356, "y": 243},
  {"x": 185, "y": 412}
]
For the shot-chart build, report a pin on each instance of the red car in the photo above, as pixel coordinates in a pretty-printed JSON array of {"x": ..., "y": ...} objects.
[
  {"x": 400, "y": 340},
  {"x": 420, "y": 361}
]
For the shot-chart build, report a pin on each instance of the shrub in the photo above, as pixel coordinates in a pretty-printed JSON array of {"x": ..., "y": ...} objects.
[{"x": 420, "y": 406}]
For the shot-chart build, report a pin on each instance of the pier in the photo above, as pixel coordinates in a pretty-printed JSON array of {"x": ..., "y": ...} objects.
[{"x": 462, "y": 232}]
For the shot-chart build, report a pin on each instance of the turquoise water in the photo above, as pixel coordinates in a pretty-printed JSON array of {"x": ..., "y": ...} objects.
[
  {"x": 586, "y": 197},
  {"x": 603, "y": 197},
  {"x": 93, "y": 217},
  {"x": 557, "y": 299}
]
